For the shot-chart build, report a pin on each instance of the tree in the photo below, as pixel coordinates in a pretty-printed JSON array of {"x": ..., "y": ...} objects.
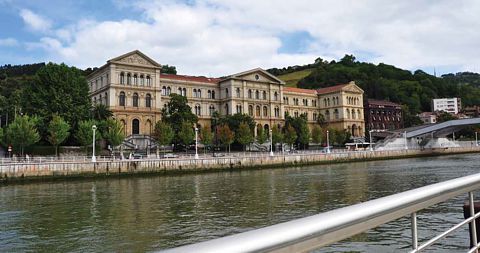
[
  {"x": 277, "y": 135},
  {"x": 101, "y": 112},
  {"x": 317, "y": 134},
  {"x": 84, "y": 134},
  {"x": 58, "y": 131},
  {"x": 186, "y": 134},
  {"x": 444, "y": 116},
  {"x": 22, "y": 132},
  {"x": 2, "y": 136},
  {"x": 58, "y": 89},
  {"x": 163, "y": 133},
  {"x": 290, "y": 135},
  {"x": 176, "y": 113},
  {"x": 114, "y": 132},
  {"x": 224, "y": 135},
  {"x": 244, "y": 135},
  {"x": 206, "y": 136},
  {"x": 262, "y": 135},
  {"x": 304, "y": 135}
]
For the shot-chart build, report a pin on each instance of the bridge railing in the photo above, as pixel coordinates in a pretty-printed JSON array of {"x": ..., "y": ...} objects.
[{"x": 305, "y": 234}]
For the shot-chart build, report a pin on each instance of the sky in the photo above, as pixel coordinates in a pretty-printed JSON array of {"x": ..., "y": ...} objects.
[{"x": 223, "y": 37}]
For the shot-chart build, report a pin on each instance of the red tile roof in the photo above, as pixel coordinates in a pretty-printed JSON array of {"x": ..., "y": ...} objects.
[
  {"x": 331, "y": 89},
  {"x": 200, "y": 79},
  {"x": 382, "y": 102},
  {"x": 299, "y": 90}
]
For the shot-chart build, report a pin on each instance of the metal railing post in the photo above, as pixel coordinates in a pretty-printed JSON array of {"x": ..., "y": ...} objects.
[
  {"x": 472, "y": 224},
  {"x": 414, "y": 231}
]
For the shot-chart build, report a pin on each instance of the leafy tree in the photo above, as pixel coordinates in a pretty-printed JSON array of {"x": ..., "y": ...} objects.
[
  {"x": 244, "y": 135},
  {"x": 444, "y": 116},
  {"x": 304, "y": 135},
  {"x": 58, "y": 89},
  {"x": 163, "y": 133},
  {"x": 58, "y": 131},
  {"x": 290, "y": 135},
  {"x": 114, "y": 132},
  {"x": 84, "y": 134},
  {"x": 186, "y": 134},
  {"x": 178, "y": 112},
  {"x": 22, "y": 132},
  {"x": 166, "y": 69},
  {"x": 277, "y": 135},
  {"x": 317, "y": 135},
  {"x": 234, "y": 121},
  {"x": 225, "y": 136},
  {"x": 206, "y": 136},
  {"x": 101, "y": 112},
  {"x": 262, "y": 135}
]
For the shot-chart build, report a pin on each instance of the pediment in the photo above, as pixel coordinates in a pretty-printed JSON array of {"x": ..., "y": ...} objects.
[
  {"x": 258, "y": 75},
  {"x": 136, "y": 58},
  {"x": 353, "y": 88}
]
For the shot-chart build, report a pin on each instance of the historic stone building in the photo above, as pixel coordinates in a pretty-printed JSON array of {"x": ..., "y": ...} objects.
[{"x": 135, "y": 90}]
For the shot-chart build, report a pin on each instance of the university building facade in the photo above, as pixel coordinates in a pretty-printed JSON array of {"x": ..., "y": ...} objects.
[{"x": 134, "y": 89}]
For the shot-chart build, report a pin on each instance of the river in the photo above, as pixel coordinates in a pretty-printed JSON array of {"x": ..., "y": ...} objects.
[{"x": 139, "y": 214}]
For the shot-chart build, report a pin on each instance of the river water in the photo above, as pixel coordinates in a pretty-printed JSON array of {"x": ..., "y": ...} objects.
[{"x": 139, "y": 214}]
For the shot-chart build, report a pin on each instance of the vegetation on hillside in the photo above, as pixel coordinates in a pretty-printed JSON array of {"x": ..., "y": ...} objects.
[{"x": 291, "y": 79}]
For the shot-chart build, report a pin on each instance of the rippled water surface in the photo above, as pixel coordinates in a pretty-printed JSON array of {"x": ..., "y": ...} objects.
[{"x": 152, "y": 213}]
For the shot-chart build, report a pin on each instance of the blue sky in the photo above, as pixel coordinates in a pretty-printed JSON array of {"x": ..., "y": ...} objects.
[{"x": 220, "y": 37}]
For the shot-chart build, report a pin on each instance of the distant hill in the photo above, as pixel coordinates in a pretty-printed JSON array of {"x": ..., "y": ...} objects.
[
  {"x": 292, "y": 79},
  {"x": 20, "y": 70}
]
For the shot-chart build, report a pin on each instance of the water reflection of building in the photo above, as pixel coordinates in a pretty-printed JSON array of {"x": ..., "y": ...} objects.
[{"x": 135, "y": 90}]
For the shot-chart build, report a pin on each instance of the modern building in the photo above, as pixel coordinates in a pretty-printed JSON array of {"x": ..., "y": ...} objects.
[
  {"x": 472, "y": 111},
  {"x": 135, "y": 90},
  {"x": 450, "y": 105},
  {"x": 383, "y": 115},
  {"x": 428, "y": 117}
]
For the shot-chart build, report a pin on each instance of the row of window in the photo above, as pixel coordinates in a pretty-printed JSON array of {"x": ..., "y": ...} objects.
[
  {"x": 99, "y": 82},
  {"x": 286, "y": 100},
  {"x": 135, "y": 79},
  {"x": 135, "y": 100},
  {"x": 353, "y": 101}
]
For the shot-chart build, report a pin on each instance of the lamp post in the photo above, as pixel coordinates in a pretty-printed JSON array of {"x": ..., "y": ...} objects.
[
  {"x": 196, "y": 142},
  {"x": 476, "y": 139},
  {"x": 271, "y": 143},
  {"x": 94, "y": 159},
  {"x": 406, "y": 143},
  {"x": 370, "y": 135},
  {"x": 328, "y": 142}
]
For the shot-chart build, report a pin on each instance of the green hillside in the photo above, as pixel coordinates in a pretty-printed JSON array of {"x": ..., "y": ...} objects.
[{"x": 291, "y": 79}]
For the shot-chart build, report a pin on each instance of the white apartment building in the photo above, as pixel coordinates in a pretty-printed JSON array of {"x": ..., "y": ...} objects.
[{"x": 450, "y": 105}]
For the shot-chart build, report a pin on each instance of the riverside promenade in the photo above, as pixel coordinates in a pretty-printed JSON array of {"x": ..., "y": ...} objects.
[{"x": 20, "y": 171}]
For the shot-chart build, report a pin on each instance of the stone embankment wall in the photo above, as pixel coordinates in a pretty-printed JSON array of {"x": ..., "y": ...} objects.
[{"x": 27, "y": 171}]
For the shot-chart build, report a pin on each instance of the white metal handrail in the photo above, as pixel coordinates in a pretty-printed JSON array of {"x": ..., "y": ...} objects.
[{"x": 320, "y": 230}]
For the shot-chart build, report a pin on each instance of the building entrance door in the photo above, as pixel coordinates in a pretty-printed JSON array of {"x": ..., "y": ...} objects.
[{"x": 135, "y": 126}]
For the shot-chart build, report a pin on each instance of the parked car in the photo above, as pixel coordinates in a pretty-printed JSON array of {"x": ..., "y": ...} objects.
[
  {"x": 218, "y": 155},
  {"x": 170, "y": 155}
]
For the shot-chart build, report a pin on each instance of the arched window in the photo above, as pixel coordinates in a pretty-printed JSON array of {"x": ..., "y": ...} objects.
[
  {"x": 328, "y": 101},
  {"x": 226, "y": 109},
  {"x": 277, "y": 112},
  {"x": 337, "y": 114},
  {"x": 275, "y": 96},
  {"x": 295, "y": 114},
  {"x": 327, "y": 115},
  {"x": 257, "y": 111},
  {"x": 359, "y": 114},
  {"x": 121, "y": 101},
  {"x": 199, "y": 93},
  {"x": 226, "y": 92},
  {"x": 135, "y": 126},
  {"x": 179, "y": 91},
  {"x": 194, "y": 93},
  {"x": 122, "y": 78},
  {"x": 264, "y": 95},
  {"x": 250, "y": 110},
  {"x": 325, "y": 102},
  {"x": 209, "y": 94},
  {"x": 106, "y": 98},
  {"x": 129, "y": 79},
  {"x": 348, "y": 113},
  {"x": 164, "y": 91},
  {"x": 198, "y": 110},
  {"x": 169, "y": 90},
  {"x": 142, "y": 80},
  {"x": 238, "y": 92},
  {"x": 239, "y": 108},
  {"x": 353, "y": 114},
  {"x": 265, "y": 111},
  {"x": 148, "y": 100},
  {"x": 135, "y": 79},
  {"x": 213, "y": 94},
  {"x": 257, "y": 94},
  {"x": 135, "y": 100},
  {"x": 184, "y": 92},
  {"x": 211, "y": 110},
  {"x": 249, "y": 93},
  {"x": 94, "y": 100},
  {"x": 148, "y": 81},
  {"x": 100, "y": 99}
]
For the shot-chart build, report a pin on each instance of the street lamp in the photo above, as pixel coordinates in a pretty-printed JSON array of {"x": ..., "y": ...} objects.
[
  {"x": 94, "y": 127},
  {"x": 271, "y": 143},
  {"x": 328, "y": 142},
  {"x": 370, "y": 135},
  {"x": 196, "y": 142}
]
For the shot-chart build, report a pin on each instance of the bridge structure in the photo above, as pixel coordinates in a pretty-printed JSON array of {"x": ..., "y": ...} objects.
[{"x": 424, "y": 135}]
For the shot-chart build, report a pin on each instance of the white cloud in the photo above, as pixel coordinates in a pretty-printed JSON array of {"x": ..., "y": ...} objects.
[
  {"x": 8, "y": 42},
  {"x": 35, "y": 21},
  {"x": 213, "y": 37}
]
